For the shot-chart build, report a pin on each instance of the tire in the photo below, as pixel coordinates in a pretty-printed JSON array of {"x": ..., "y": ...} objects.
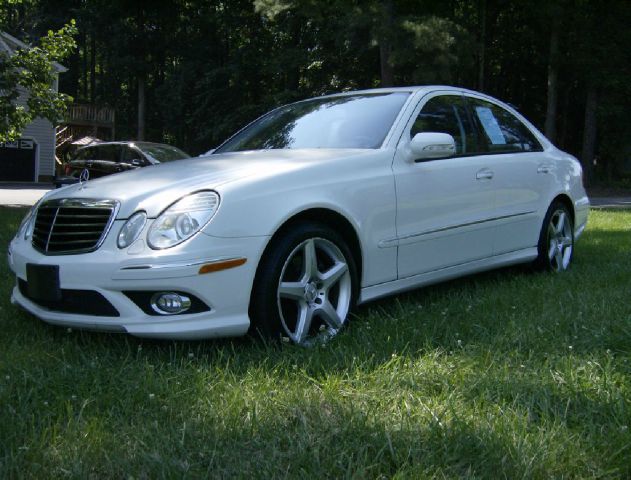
[
  {"x": 556, "y": 240},
  {"x": 305, "y": 286}
]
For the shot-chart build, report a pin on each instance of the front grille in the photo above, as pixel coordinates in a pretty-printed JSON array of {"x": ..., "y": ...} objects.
[
  {"x": 69, "y": 226},
  {"x": 82, "y": 302}
]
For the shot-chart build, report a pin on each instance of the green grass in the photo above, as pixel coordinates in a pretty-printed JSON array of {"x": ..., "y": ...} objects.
[{"x": 507, "y": 374}]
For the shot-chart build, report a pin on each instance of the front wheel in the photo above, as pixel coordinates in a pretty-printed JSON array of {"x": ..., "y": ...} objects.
[
  {"x": 305, "y": 286},
  {"x": 556, "y": 241}
]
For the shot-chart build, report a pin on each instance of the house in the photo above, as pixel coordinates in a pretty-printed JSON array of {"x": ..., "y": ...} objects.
[
  {"x": 84, "y": 124},
  {"x": 32, "y": 157}
]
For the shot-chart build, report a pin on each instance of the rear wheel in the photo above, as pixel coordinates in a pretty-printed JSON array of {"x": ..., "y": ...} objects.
[
  {"x": 305, "y": 286},
  {"x": 556, "y": 241}
]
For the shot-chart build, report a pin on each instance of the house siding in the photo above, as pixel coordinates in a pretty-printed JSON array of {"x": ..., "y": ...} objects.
[{"x": 43, "y": 132}]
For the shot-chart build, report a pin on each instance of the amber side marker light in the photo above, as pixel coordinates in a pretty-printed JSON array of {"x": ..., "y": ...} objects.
[{"x": 221, "y": 265}]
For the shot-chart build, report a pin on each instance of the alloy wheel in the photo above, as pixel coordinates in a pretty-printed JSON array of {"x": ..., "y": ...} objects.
[
  {"x": 314, "y": 291},
  {"x": 560, "y": 240}
]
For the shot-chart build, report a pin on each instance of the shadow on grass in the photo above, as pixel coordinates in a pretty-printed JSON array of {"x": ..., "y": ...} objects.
[
  {"x": 345, "y": 408},
  {"x": 339, "y": 441}
]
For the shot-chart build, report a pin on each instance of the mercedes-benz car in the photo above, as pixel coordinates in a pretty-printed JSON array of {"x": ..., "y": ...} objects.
[
  {"x": 304, "y": 213},
  {"x": 105, "y": 158}
]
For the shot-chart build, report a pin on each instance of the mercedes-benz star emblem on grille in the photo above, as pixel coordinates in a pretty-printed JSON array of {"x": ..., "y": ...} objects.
[{"x": 84, "y": 177}]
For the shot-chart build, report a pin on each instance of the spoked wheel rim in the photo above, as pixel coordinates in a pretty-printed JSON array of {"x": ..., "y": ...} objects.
[
  {"x": 560, "y": 241},
  {"x": 314, "y": 292}
]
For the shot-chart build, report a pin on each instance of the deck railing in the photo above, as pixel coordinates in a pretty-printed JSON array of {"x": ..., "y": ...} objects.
[
  {"x": 90, "y": 114},
  {"x": 63, "y": 136}
]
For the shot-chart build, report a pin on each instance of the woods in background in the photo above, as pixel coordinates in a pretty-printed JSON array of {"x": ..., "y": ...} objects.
[{"x": 191, "y": 73}]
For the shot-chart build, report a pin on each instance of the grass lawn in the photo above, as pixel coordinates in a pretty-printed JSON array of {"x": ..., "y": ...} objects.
[{"x": 506, "y": 374}]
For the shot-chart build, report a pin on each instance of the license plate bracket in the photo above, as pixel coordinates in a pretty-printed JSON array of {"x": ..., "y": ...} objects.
[{"x": 43, "y": 282}]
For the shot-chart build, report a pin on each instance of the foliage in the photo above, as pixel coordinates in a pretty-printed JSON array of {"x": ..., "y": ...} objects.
[
  {"x": 508, "y": 374},
  {"x": 29, "y": 73},
  {"x": 209, "y": 67}
]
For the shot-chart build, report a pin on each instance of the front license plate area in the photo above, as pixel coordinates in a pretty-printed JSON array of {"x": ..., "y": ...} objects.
[{"x": 43, "y": 282}]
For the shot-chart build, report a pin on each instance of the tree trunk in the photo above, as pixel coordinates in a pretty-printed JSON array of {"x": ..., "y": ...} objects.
[
  {"x": 84, "y": 66},
  {"x": 387, "y": 75},
  {"x": 589, "y": 135},
  {"x": 385, "y": 47},
  {"x": 141, "y": 108},
  {"x": 481, "y": 43},
  {"x": 293, "y": 70},
  {"x": 92, "y": 68},
  {"x": 565, "y": 108},
  {"x": 141, "y": 56},
  {"x": 551, "y": 107}
]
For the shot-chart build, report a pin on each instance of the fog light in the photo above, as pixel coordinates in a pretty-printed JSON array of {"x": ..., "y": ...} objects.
[{"x": 170, "y": 303}]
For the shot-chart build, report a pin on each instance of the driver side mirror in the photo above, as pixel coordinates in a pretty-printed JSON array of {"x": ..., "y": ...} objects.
[{"x": 432, "y": 145}]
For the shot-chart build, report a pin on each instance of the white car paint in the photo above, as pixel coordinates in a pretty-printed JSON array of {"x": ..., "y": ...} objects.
[{"x": 416, "y": 223}]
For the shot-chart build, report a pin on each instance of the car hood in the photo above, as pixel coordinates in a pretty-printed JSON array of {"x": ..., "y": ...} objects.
[{"x": 154, "y": 188}]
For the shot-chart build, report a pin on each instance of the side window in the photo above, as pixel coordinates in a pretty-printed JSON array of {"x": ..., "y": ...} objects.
[
  {"x": 447, "y": 114},
  {"x": 130, "y": 154},
  {"x": 110, "y": 153},
  {"x": 501, "y": 131}
]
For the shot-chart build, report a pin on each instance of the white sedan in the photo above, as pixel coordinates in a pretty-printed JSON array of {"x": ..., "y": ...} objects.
[{"x": 310, "y": 209}]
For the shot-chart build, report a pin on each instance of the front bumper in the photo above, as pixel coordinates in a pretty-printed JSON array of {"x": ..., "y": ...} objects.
[{"x": 110, "y": 272}]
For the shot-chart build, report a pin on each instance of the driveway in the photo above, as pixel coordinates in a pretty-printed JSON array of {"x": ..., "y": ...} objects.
[
  {"x": 610, "y": 202},
  {"x": 22, "y": 195}
]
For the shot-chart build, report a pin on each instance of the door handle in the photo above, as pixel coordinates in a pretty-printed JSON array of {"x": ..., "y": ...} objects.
[
  {"x": 484, "y": 174},
  {"x": 544, "y": 169}
]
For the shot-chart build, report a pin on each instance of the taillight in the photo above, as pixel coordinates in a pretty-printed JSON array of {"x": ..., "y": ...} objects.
[{"x": 67, "y": 169}]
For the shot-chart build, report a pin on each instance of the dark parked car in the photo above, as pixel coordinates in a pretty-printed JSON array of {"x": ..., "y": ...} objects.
[{"x": 113, "y": 157}]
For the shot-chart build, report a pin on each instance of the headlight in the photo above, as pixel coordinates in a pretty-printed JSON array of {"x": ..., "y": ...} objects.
[
  {"x": 132, "y": 228},
  {"x": 28, "y": 223},
  {"x": 182, "y": 220}
]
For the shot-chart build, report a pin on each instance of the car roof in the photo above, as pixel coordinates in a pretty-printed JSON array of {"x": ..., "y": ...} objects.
[
  {"x": 419, "y": 88},
  {"x": 411, "y": 89}
]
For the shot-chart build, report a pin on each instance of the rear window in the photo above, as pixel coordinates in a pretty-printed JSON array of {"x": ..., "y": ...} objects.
[{"x": 501, "y": 130}]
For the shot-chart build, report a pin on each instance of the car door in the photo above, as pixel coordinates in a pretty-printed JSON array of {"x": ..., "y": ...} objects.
[
  {"x": 445, "y": 207},
  {"x": 522, "y": 175},
  {"x": 102, "y": 159}
]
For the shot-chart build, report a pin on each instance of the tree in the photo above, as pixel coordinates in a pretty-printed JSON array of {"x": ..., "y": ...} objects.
[
  {"x": 192, "y": 72},
  {"x": 29, "y": 71}
]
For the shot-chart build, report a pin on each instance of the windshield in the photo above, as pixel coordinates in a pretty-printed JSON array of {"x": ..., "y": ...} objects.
[
  {"x": 351, "y": 121},
  {"x": 163, "y": 153}
]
